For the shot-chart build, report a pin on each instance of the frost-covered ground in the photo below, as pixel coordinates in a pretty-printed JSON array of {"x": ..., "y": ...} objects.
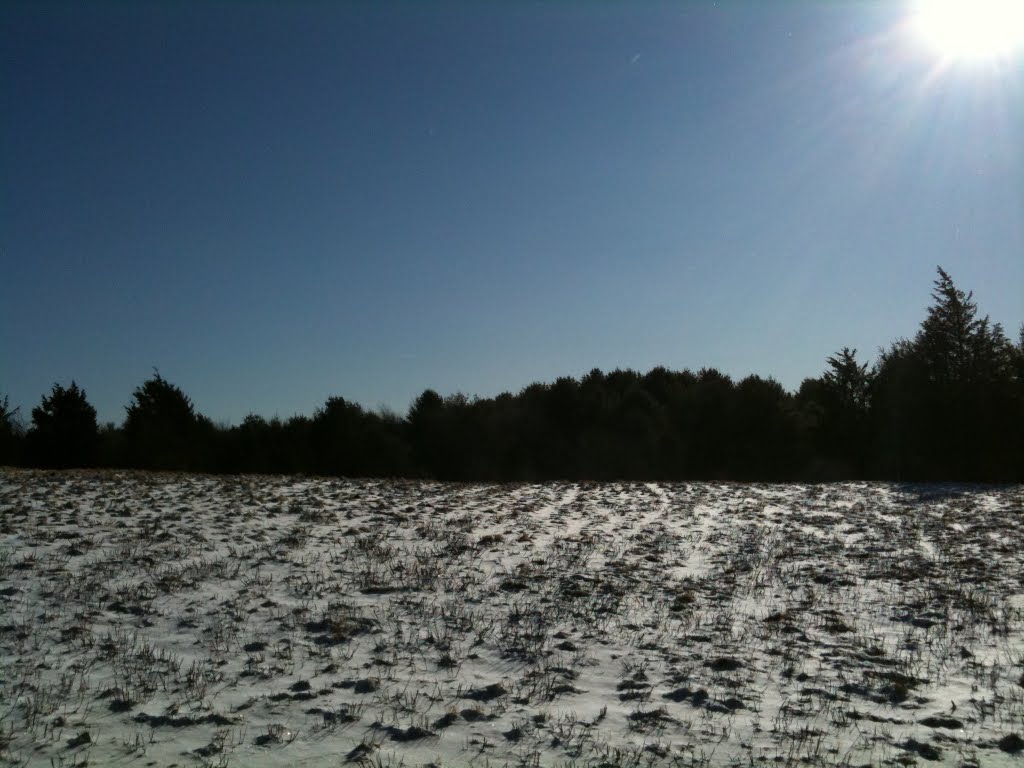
[{"x": 158, "y": 620}]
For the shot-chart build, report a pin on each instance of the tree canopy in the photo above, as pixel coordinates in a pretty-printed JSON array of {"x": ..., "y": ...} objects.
[{"x": 946, "y": 404}]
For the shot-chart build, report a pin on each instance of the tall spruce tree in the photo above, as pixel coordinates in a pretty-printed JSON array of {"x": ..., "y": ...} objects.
[{"x": 943, "y": 402}]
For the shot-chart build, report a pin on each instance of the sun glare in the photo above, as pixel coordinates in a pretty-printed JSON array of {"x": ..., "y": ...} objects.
[{"x": 972, "y": 29}]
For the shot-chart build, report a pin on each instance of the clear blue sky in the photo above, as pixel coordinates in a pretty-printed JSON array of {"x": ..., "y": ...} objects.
[{"x": 274, "y": 203}]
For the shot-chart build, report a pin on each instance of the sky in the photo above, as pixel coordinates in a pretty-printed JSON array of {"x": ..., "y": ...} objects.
[{"x": 277, "y": 203}]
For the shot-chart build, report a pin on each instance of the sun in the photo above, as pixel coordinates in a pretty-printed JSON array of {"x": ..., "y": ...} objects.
[{"x": 972, "y": 29}]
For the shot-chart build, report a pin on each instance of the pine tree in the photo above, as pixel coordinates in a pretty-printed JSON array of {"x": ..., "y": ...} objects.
[
  {"x": 10, "y": 433},
  {"x": 848, "y": 380},
  {"x": 956, "y": 346},
  {"x": 64, "y": 431},
  {"x": 162, "y": 429},
  {"x": 943, "y": 402}
]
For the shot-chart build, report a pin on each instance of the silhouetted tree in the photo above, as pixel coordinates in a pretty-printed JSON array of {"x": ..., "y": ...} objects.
[
  {"x": 346, "y": 440},
  {"x": 1015, "y": 454},
  {"x": 428, "y": 433},
  {"x": 848, "y": 381},
  {"x": 10, "y": 433},
  {"x": 334, "y": 434},
  {"x": 711, "y": 424},
  {"x": 947, "y": 404},
  {"x": 63, "y": 432},
  {"x": 163, "y": 431},
  {"x": 675, "y": 392},
  {"x": 836, "y": 413},
  {"x": 255, "y": 445},
  {"x": 766, "y": 431},
  {"x": 110, "y": 447},
  {"x": 387, "y": 448},
  {"x": 943, "y": 404},
  {"x": 545, "y": 423}
]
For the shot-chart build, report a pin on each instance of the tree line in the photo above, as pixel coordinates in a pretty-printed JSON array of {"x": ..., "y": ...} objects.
[{"x": 947, "y": 404}]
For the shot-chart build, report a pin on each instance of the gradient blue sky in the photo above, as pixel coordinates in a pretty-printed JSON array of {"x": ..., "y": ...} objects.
[{"x": 277, "y": 203}]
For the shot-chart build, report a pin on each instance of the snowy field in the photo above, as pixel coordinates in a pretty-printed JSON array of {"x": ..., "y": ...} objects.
[{"x": 158, "y": 620}]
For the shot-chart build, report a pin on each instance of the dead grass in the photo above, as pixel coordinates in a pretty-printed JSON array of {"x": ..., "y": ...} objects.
[{"x": 182, "y": 619}]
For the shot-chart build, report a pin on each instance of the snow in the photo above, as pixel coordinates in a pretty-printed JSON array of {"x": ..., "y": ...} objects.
[{"x": 150, "y": 619}]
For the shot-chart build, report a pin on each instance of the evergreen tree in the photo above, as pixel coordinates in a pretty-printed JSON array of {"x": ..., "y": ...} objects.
[
  {"x": 334, "y": 433},
  {"x": 10, "y": 433},
  {"x": 848, "y": 381},
  {"x": 432, "y": 434},
  {"x": 943, "y": 342},
  {"x": 943, "y": 403},
  {"x": 947, "y": 404},
  {"x": 845, "y": 400},
  {"x": 163, "y": 431},
  {"x": 64, "y": 431},
  {"x": 766, "y": 424}
]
